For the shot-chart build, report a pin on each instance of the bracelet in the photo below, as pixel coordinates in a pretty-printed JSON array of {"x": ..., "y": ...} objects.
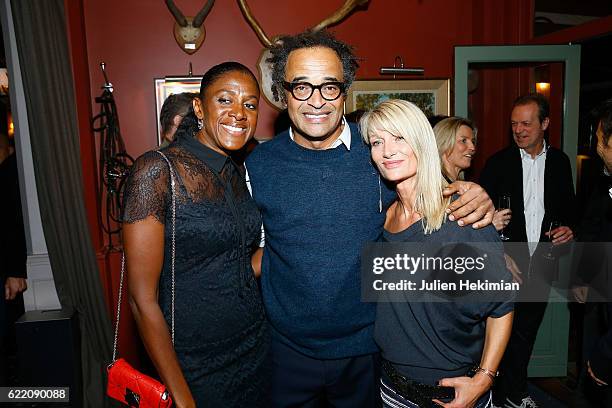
[{"x": 492, "y": 374}]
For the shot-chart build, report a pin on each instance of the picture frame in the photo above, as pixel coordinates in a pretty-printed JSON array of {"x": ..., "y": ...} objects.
[
  {"x": 164, "y": 87},
  {"x": 431, "y": 95}
]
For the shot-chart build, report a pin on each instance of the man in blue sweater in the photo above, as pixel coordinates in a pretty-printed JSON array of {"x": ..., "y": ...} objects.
[{"x": 321, "y": 201}]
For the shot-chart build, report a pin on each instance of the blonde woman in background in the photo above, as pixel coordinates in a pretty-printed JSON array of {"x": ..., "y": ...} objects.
[{"x": 456, "y": 141}]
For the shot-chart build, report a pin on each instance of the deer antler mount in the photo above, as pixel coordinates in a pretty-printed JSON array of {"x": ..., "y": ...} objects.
[{"x": 189, "y": 32}]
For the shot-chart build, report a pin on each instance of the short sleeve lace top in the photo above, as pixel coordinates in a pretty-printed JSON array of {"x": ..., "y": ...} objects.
[{"x": 218, "y": 308}]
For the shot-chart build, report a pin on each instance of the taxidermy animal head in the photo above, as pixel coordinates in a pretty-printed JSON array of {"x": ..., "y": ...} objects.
[{"x": 189, "y": 32}]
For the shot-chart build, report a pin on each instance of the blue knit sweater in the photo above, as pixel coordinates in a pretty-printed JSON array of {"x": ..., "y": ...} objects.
[{"x": 319, "y": 207}]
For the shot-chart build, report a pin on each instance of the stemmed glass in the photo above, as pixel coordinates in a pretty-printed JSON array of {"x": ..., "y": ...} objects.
[
  {"x": 551, "y": 227},
  {"x": 503, "y": 204}
]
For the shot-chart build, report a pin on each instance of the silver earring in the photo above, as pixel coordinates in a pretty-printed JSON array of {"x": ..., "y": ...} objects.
[{"x": 200, "y": 124}]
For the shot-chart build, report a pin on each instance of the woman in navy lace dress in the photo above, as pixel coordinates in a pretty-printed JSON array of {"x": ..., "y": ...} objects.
[{"x": 220, "y": 336}]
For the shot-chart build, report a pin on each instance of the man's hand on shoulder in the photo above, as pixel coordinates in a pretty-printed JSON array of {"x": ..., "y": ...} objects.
[{"x": 474, "y": 206}]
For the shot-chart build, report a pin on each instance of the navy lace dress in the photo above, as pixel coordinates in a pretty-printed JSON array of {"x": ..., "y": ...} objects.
[{"x": 221, "y": 334}]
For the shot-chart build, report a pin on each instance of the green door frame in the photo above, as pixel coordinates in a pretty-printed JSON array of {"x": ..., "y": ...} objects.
[
  {"x": 568, "y": 54},
  {"x": 549, "y": 357}
]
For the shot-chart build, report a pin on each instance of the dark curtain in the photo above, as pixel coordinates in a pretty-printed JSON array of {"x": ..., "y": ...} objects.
[{"x": 42, "y": 45}]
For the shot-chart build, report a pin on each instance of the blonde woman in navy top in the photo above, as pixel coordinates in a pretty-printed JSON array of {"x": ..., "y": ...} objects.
[{"x": 428, "y": 348}]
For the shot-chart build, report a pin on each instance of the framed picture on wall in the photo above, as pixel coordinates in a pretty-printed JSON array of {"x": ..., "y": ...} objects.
[
  {"x": 164, "y": 87},
  {"x": 431, "y": 95}
]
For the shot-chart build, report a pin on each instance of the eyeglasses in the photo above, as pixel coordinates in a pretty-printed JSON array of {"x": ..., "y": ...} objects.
[{"x": 330, "y": 91}]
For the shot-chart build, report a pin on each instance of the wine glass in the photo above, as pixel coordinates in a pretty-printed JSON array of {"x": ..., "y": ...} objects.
[
  {"x": 503, "y": 204},
  {"x": 551, "y": 227}
]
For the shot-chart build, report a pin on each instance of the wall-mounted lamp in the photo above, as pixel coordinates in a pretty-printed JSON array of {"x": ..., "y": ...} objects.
[
  {"x": 399, "y": 69},
  {"x": 11, "y": 125},
  {"x": 543, "y": 88}
]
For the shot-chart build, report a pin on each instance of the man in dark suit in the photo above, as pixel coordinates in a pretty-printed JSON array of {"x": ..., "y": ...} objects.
[
  {"x": 537, "y": 177},
  {"x": 594, "y": 276}
]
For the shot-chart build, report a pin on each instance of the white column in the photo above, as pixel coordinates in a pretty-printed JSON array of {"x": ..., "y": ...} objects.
[{"x": 41, "y": 293}]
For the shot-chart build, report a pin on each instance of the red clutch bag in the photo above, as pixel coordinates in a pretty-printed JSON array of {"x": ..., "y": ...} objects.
[{"x": 134, "y": 389}]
